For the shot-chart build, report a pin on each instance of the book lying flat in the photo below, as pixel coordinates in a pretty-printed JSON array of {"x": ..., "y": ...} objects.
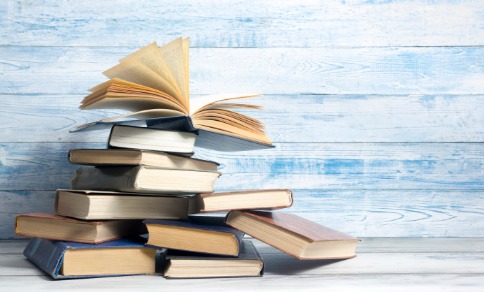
[
  {"x": 99, "y": 205},
  {"x": 296, "y": 236},
  {"x": 51, "y": 226},
  {"x": 180, "y": 264},
  {"x": 106, "y": 157},
  {"x": 249, "y": 199},
  {"x": 64, "y": 260},
  {"x": 190, "y": 236},
  {"x": 151, "y": 139},
  {"x": 144, "y": 179},
  {"x": 153, "y": 82}
]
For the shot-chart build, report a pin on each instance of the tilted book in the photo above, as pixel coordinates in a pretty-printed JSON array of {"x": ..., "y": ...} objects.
[
  {"x": 294, "y": 235},
  {"x": 243, "y": 200},
  {"x": 153, "y": 83},
  {"x": 144, "y": 179},
  {"x": 64, "y": 260},
  {"x": 182, "y": 264},
  {"x": 51, "y": 226},
  {"x": 208, "y": 236}
]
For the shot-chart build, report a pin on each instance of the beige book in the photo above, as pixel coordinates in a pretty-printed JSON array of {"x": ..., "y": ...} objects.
[
  {"x": 101, "y": 157},
  {"x": 99, "y": 205},
  {"x": 154, "y": 82},
  {"x": 50, "y": 226}
]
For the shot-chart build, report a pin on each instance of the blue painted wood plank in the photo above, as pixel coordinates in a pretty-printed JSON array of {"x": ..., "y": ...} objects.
[
  {"x": 391, "y": 71},
  {"x": 329, "y": 166},
  {"x": 243, "y": 23},
  {"x": 362, "y": 213},
  {"x": 288, "y": 118}
]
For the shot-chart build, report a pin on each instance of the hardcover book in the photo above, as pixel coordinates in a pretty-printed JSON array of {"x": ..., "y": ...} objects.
[
  {"x": 296, "y": 236},
  {"x": 195, "y": 237},
  {"x": 113, "y": 157},
  {"x": 242, "y": 200},
  {"x": 50, "y": 226},
  {"x": 144, "y": 179},
  {"x": 182, "y": 264},
  {"x": 151, "y": 139},
  {"x": 64, "y": 260},
  {"x": 153, "y": 83},
  {"x": 99, "y": 205}
]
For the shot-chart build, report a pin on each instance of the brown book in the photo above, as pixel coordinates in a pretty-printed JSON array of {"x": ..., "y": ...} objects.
[
  {"x": 243, "y": 200},
  {"x": 296, "y": 236},
  {"x": 99, "y": 205},
  {"x": 99, "y": 157},
  {"x": 51, "y": 226}
]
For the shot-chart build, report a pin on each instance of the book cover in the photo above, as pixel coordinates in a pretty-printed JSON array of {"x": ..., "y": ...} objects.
[
  {"x": 294, "y": 235},
  {"x": 144, "y": 179},
  {"x": 195, "y": 235},
  {"x": 48, "y": 255},
  {"x": 205, "y": 139},
  {"x": 212, "y": 266},
  {"x": 55, "y": 227}
]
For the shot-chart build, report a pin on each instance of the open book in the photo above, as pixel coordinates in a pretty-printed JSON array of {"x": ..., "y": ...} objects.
[{"x": 153, "y": 85}]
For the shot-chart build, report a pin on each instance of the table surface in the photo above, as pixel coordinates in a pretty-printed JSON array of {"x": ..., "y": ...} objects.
[{"x": 399, "y": 264}]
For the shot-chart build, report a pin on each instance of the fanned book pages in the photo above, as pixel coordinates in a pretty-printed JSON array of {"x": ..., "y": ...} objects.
[{"x": 152, "y": 84}]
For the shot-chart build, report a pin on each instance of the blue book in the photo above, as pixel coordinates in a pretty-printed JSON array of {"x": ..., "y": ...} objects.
[
  {"x": 66, "y": 260},
  {"x": 203, "y": 235},
  {"x": 183, "y": 264}
]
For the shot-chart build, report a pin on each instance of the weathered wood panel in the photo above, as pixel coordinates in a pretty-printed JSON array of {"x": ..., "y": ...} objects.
[
  {"x": 362, "y": 213},
  {"x": 308, "y": 166},
  {"x": 243, "y": 23},
  {"x": 388, "y": 70},
  {"x": 288, "y": 118}
]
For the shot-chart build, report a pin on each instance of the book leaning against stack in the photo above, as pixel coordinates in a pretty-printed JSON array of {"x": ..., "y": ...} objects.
[{"x": 145, "y": 199}]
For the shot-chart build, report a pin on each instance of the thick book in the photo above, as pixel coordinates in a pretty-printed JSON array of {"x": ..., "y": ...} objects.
[
  {"x": 153, "y": 82},
  {"x": 64, "y": 260},
  {"x": 144, "y": 179},
  {"x": 113, "y": 157},
  {"x": 152, "y": 139},
  {"x": 243, "y": 200},
  {"x": 51, "y": 226},
  {"x": 195, "y": 236},
  {"x": 294, "y": 235},
  {"x": 181, "y": 264},
  {"x": 99, "y": 205}
]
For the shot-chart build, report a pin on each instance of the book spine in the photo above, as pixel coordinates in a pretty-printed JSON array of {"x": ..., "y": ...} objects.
[
  {"x": 105, "y": 178},
  {"x": 46, "y": 254}
]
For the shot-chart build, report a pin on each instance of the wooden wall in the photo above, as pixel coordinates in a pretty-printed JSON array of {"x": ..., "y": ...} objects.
[{"x": 376, "y": 107}]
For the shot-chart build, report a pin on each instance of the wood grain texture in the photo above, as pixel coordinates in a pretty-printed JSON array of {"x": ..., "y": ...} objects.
[
  {"x": 288, "y": 118},
  {"x": 376, "y": 107},
  {"x": 454, "y": 268},
  {"x": 331, "y": 166},
  {"x": 366, "y": 70},
  {"x": 243, "y": 23}
]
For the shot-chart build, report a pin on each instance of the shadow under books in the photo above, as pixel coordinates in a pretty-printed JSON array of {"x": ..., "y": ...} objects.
[{"x": 283, "y": 264}]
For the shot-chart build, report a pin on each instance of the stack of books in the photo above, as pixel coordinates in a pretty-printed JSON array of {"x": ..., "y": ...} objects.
[{"x": 145, "y": 202}]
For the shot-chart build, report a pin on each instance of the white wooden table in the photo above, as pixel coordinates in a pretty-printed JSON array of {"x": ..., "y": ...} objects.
[{"x": 382, "y": 264}]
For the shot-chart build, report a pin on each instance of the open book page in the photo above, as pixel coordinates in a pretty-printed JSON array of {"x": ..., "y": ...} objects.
[
  {"x": 202, "y": 102},
  {"x": 226, "y": 129},
  {"x": 145, "y": 114},
  {"x": 173, "y": 56},
  {"x": 137, "y": 72},
  {"x": 229, "y": 117},
  {"x": 151, "y": 57}
]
